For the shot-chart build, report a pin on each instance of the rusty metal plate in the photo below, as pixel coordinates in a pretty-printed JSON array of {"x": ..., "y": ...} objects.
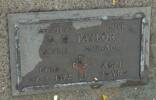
[{"x": 50, "y": 51}]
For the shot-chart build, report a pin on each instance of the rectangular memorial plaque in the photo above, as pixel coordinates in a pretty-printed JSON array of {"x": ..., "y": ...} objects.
[{"x": 56, "y": 50}]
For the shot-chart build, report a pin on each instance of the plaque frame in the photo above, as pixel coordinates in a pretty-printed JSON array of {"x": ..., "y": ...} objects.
[{"x": 15, "y": 20}]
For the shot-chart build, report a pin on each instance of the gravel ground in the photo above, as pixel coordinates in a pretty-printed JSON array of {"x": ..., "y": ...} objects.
[{"x": 146, "y": 92}]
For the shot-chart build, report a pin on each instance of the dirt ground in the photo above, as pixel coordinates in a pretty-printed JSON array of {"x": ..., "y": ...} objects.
[{"x": 146, "y": 92}]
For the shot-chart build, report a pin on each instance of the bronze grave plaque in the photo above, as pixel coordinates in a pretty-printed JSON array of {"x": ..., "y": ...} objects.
[{"x": 51, "y": 51}]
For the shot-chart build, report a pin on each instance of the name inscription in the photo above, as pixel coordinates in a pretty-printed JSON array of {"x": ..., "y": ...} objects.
[{"x": 63, "y": 40}]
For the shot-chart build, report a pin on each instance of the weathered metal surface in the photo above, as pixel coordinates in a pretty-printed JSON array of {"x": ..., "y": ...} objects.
[
  {"x": 73, "y": 51},
  {"x": 50, "y": 51}
]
